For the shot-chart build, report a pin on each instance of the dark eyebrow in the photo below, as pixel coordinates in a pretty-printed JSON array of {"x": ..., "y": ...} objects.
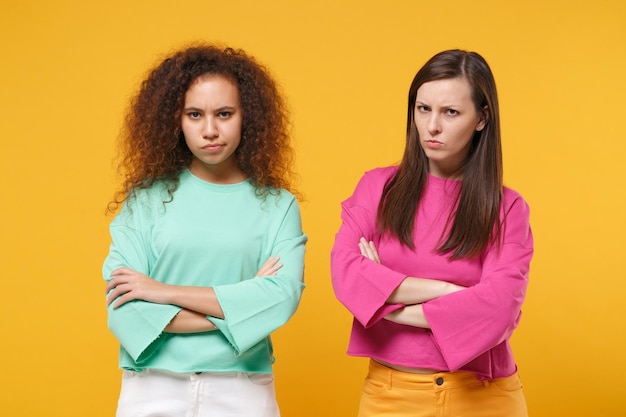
[
  {"x": 223, "y": 108},
  {"x": 231, "y": 108}
]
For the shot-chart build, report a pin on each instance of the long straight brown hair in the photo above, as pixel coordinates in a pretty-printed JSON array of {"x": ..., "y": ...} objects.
[{"x": 475, "y": 216}]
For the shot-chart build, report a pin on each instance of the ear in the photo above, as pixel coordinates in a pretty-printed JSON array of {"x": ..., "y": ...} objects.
[{"x": 484, "y": 117}]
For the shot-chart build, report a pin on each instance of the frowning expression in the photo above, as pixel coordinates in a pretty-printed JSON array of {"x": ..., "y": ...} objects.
[
  {"x": 211, "y": 124},
  {"x": 446, "y": 119}
]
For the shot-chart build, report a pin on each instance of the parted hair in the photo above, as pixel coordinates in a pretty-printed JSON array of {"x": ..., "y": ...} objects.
[
  {"x": 152, "y": 146},
  {"x": 474, "y": 221}
]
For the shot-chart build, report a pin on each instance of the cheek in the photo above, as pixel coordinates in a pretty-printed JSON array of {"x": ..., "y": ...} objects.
[
  {"x": 184, "y": 127},
  {"x": 463, "y": 132},
  {"x": 188, "y": 143},
  {"x": 421, "y": 129},
  {"x": 188, "y": 134},
  {"x": 191, "y": 130},
  {"x": 235, "y": 131}
]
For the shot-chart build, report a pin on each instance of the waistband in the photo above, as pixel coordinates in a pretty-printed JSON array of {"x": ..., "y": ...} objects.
[
  {"x": 438, "y": 380},
  {"x": 187, "y": 375}
]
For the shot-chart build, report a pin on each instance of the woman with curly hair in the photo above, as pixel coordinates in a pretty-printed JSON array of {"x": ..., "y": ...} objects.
[{"x": 207, "y": 251}]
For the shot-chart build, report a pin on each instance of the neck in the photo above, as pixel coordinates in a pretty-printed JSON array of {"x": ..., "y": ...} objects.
[{"x": 217, "y": 174}]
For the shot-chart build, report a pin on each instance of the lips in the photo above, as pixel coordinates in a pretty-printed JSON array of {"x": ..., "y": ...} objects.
[
  {"x": 212, "y": 147},
  {"x": 433, "y": 144}
]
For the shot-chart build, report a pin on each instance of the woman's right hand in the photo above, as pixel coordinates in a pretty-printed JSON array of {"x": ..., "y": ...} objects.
[{"x": 270, "y": 267}]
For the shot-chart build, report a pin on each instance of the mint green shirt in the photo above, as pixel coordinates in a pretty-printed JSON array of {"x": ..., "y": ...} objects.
[{"x": 215, "y": 236}]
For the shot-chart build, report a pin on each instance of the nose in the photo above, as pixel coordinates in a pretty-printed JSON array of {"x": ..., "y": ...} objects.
[
  {"x": 434, "y": 124},
  {"x": 210, "y": 129}
]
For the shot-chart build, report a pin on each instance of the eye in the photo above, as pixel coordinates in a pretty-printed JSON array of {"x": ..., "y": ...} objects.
[
  {"x": 422, "y": 108},
  {"x": 224, "y": 114},
  {"x": 452, "y": 112},
  {"x": 194, "y": 114}
]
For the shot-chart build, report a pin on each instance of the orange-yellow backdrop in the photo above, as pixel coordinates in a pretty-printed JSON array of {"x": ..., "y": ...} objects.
[{"x": 68, "y": 68}]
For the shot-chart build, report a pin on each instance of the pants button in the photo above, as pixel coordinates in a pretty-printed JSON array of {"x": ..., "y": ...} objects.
[{"x": 439, "y": 381}]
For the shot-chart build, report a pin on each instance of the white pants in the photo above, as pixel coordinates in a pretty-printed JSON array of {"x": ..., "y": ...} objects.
[{"x": 155, "y": 393}]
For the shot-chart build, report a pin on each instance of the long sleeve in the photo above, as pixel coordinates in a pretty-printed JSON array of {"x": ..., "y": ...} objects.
[
  {"x": 469, "y": 329},
  {"x": 208, "y": 235},
  {"x": 360, "y": 284},
  {"x": 138, "y": 325},
  {"x": 468, "y": 323},
  {"x": 256, "y": 307}
]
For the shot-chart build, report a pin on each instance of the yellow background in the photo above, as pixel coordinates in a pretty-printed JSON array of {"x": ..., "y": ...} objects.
[{"x": 68, "y": 68}]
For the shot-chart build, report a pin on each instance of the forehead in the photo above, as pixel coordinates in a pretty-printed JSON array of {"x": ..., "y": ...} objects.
[
  {"x": 445, "y": 90},
  {"x": 212, "y": 87}
]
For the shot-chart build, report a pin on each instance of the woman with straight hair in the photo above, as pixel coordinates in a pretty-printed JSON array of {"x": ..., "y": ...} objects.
[
  {"x": 207, "y": 251},
  {"x": 432, "y": 257}
]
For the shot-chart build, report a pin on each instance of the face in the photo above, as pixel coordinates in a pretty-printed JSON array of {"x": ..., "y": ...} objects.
[
  {"x": 446, "y": 119},
  {"x": 211, "y": 123}
]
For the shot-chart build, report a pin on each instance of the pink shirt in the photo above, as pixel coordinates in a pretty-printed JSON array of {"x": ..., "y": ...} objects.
[{"x": 470, "y": 329}]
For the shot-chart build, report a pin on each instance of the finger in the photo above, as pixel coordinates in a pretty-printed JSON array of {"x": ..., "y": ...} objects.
[
  {"x": 111, "y": 297},
  {"x": 120, "y": 271},
  {"x": 268, "y": 271},
  {"x": 274, "y": 269},
  {"x": 374, "y": 251},
  {"x": 371, "y": 251},
  {"x": 122, "y": 300},
  {"x": 366, "y": 249},
  {"x": 117, "y": 290},
  {"x": 121, "y": 295},
  {"x": 116, "y": 281},
  {"x": 268, "y": 266},
  {"x": 115, "y": 293},
  {"x": 110, "y": 285},
  {"x": 363, "y": 247}
]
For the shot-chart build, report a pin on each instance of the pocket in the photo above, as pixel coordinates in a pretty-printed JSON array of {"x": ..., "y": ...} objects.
[
  {"x": 372, "y": 387},
  {"x": 510, "y": 383},
  {"x": 260, "y": 379}
]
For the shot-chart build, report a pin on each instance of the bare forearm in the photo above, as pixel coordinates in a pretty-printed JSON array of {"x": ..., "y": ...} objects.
[
  {"x": 419, "y": 290},
  {"x": 126, "y": 285},
  {"x": 199, "y": 299},
  {"x": 187, "y": 321},
  {"x": 412, "y": 315}
]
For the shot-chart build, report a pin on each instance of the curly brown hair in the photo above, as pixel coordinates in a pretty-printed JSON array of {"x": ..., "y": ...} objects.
[{"x": 152, "y": 145}]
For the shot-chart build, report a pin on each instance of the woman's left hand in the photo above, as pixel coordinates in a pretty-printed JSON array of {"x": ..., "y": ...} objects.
[
  {"x": 369, "y": 250},
  {"x": 270, "y": 267},
  {"x": 127, "y": 285}
]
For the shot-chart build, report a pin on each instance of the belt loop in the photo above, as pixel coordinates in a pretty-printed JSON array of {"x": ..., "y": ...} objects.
[
  {"x": 390, "y": 378},
  {"x": 486, "y": 383}
]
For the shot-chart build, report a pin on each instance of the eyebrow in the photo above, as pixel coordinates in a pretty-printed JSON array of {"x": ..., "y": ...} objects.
[
  {"x": 219, "y": 109},
  {"x": 444, "y": 106},
  {"x": 226, "y": 108}
]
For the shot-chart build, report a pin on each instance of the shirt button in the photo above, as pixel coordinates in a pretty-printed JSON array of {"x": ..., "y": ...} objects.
[{"x": 439, "y": 381}]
